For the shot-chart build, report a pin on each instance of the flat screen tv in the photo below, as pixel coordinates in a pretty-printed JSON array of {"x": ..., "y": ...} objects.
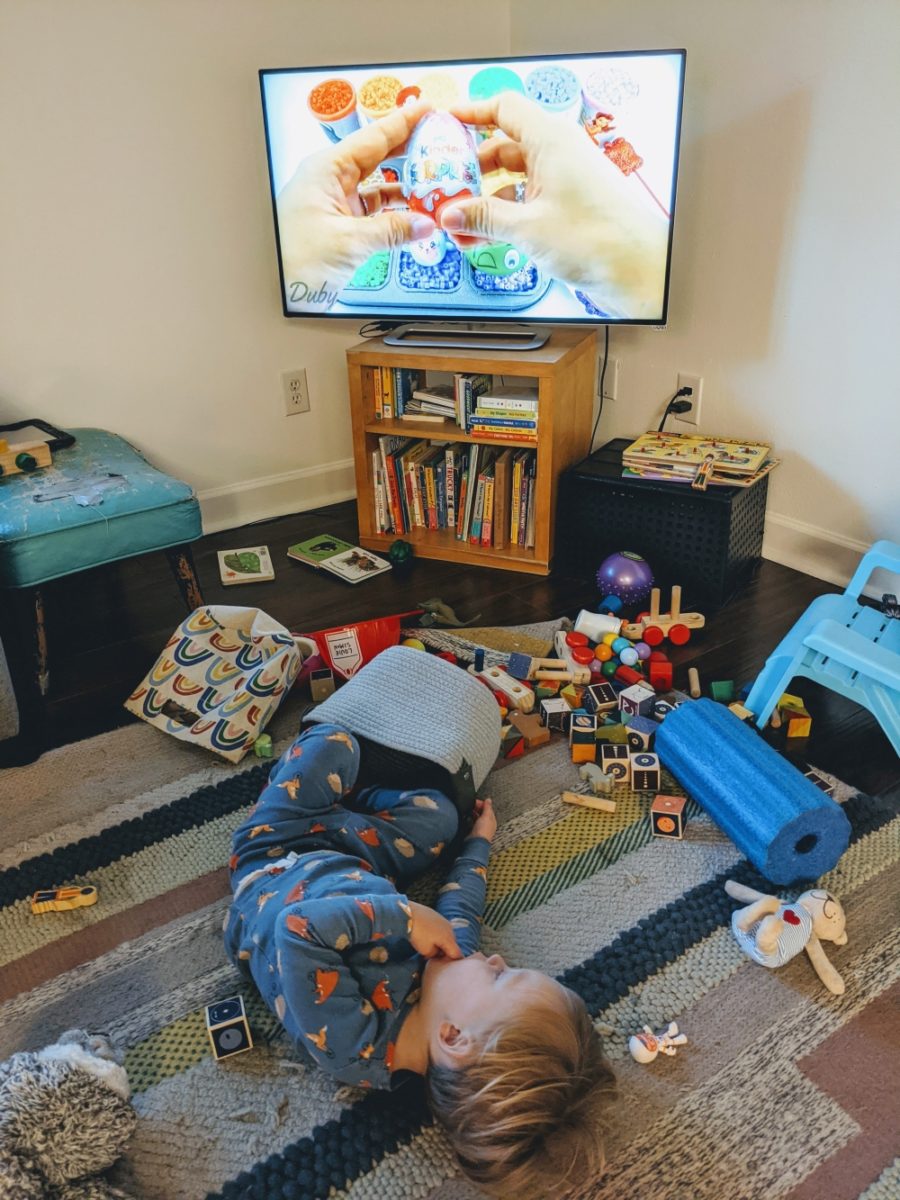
[{"x": 535, "y": 189}]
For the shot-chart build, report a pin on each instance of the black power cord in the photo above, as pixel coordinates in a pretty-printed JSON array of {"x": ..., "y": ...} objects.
[
  {"x": 602, "y": 378},
  {"x": 676, "y": 405}
]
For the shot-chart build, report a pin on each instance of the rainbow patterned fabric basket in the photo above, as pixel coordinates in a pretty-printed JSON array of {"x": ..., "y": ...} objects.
[{"x": 221, "y": 676}]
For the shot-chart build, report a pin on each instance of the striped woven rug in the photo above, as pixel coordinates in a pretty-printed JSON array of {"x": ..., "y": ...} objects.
[{"x": 782, "y": 1091}]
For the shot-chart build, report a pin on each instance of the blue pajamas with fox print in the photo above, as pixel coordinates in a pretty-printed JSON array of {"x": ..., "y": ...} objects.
[{"x": 317, "y": 920}]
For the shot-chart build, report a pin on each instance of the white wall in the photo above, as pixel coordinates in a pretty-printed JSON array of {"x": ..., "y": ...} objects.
[
  {"x": 138, "y": 278},
  {"x": 139, "y": 290},
  {"x": 786, "y": 267}
]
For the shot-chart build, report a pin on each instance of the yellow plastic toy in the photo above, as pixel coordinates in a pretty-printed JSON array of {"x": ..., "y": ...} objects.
[{"x": 62, "y": 899}]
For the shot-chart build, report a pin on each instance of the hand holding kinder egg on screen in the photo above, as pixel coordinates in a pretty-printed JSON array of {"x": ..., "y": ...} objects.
[
  {"x": 322, "y": 240},
  {"x": 581, "y": 220}
]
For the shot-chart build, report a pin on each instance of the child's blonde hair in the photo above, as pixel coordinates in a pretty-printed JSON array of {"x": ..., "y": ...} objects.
[{"x": 525, "y": 1115}]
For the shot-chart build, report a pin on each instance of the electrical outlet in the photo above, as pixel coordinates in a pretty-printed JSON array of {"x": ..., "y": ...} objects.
[
  {"x": 695, "y": 382},
  {"x": 296, "y": 392},
  {"x": 611, "y": 382}
]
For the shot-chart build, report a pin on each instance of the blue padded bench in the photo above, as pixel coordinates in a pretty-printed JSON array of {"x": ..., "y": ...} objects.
[{"x": 102, "y": 502}]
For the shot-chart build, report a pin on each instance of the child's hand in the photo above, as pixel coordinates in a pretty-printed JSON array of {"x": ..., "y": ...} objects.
[
  {"x": 432, "y": 934},
  {"x": 485, "y": 822}
]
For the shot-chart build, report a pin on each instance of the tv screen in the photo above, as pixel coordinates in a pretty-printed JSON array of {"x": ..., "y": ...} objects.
[{"x": 540, "y": 189}]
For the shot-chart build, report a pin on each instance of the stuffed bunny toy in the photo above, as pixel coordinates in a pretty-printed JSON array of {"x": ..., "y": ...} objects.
[
  {"x": 772, "y": 932},
  {"x": 65, "y": 1116}
]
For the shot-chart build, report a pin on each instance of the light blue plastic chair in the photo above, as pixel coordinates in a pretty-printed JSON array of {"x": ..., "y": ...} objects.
[{"x": 848, "y": 647}]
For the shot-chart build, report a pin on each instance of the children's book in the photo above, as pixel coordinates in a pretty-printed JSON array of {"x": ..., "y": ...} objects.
[
  {"x": 250, "y": 565},
  {"x": 341, "y": 558},
  {"x": 684, "y": 454}
]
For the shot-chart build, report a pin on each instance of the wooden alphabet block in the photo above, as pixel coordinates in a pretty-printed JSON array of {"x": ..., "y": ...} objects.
[
  {"x": 600, "y": 697},
  {"x": 227, "y": 1027},
  {"x": 637, "y": 700},
  {"x": 555, "y": 714}
]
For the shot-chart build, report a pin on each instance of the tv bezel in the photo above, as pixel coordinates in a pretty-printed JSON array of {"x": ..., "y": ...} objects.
[{"x": 386, "y": 317}]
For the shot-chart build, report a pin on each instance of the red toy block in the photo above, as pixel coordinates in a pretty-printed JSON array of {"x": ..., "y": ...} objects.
[
  {"x": 661, "y": 675},
  {"x": 629, "y": 675}
]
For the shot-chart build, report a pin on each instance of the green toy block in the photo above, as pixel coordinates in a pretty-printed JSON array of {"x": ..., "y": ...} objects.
[
  {"x": 262, "y": 747},
  {"x": 613, "y": 733},
  {"x": 722, "y": 690}
]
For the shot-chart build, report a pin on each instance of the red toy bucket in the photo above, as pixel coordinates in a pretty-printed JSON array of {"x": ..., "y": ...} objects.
[{"x": 346, "y": 648}]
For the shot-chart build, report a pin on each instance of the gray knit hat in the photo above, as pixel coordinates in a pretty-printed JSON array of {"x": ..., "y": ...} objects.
[{"x": 407, "y": 706}]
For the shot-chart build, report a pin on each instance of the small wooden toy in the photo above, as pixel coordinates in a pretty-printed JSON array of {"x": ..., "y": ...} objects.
[
  {"x": 645, "y": 772},
  {"x": 63, "y": 899},
  {"x": 654, "y": 626},
  {"x": 567, "y": 652},
  {"x": 228, "y": 1028},
  {"x": 321, "y": 684},
  {"x": 600, "y": 783},
  {"x": 546, "y": 689},
  {"x": 772, "y": 932},
  {"x": 555, "y": 714},
  {"x": 740, "y": 711},
  {"x": 518, "y": 695},
  {"x": 614, "y": 760},
  {"x": 640, "y": 733},
  {"x": 637, "y": 700},
  {"x": 512, "y": 745},
  {"x": 262, "y": 747},
  {"x": 530, "y": 727},
  {"x": 600, "y": 697},
  {"x": 694, "y": 683},
  {"x": 523, "y": 666},
  {"x": 646, "y": 1045},
  {"x": 628, "y": 675},
  {"x": 722, "y": 690},
  {"x": 798, "y": 721},
  {"x": 667, "y": 817},
  {"x": 22, "y": 458},
  {"x": 598, "y": 802}
]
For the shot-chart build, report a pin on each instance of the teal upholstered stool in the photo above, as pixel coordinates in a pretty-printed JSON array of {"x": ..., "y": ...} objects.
[{"x": 99, "y": 502}]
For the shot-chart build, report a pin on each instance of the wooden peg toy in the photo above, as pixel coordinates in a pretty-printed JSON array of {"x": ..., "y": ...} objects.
[
  {"x": 694, "y": 683},
  {"x": 598, "y": 802},
  {"x": 524, "y": 666},
  {"x": 654, "y": 626},
  {"x": 519, "y": 696}
]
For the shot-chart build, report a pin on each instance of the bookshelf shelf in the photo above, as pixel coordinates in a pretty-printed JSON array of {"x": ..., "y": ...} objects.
[{"x": 565, "y": 369}]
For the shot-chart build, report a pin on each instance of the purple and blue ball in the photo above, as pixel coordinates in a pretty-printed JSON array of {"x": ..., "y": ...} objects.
[{"x": 626, "y": 575}]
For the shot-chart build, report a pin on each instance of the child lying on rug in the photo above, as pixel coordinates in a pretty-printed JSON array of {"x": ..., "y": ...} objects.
[{"x": 375, "y": 986}]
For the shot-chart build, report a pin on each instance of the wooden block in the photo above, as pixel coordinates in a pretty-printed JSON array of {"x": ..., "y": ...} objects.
[
  {"x": 513, "y": 747},
  {"x": 572, "y": 694},
  {"x": 615, "y": 732},
  {"x": 582, "y": 728},
  {"x": 637, "y": 700},
  {"x": 661, "y": 674},
  {"x": 799, "y": 723},
  {"x": 667, "y": 816},
  {"x": 645, "y": 772},
  {"x": 546, "y": 689},
  {"x": 555, "y": 714},
  {"x": 786, "y": 700},
  {"x": 615, "y": 761},
  {"x": 722, "y": 690},
  {"x": 600, "y": 697},
  {"x": 582, "y": 752},
  {"x": 740, "y": 711},
  {"x": 531, "y": 729},
  {"x": 640, "y": 733},
  {"x": 598, "y": 802}
]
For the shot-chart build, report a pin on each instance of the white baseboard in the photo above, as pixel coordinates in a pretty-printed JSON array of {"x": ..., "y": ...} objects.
[
  {"x": 811, "y": 549},
  {"x": 251, "y": 500}
]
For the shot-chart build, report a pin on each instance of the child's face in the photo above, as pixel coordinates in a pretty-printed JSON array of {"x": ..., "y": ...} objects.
[{"x": 478, "y": 993}]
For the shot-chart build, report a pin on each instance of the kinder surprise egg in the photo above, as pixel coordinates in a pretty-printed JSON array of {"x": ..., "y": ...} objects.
[{"x": 441, "y": 164}]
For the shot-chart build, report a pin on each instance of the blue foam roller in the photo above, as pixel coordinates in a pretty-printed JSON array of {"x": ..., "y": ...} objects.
[{"x": 788, "y": 828}]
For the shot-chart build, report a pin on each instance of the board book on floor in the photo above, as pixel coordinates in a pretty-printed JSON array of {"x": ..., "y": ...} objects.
[{"x": 333, "y": 554}]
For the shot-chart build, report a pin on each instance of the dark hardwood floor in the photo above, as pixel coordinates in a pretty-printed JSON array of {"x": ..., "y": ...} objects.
[{"x": 106, "y": 626}]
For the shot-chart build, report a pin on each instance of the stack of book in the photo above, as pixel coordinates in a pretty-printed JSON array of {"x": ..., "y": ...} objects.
[
  {"x": 468, "y": 388},
  {"x": 506, "y": 414},
  {"x": 485, "y": 495},
  {"x": 698, "y": 460},
  {"x": 436, "y": 402}
]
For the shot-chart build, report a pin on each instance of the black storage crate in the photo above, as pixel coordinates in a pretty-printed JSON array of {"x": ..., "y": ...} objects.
[{"x": 709, "y": 542}]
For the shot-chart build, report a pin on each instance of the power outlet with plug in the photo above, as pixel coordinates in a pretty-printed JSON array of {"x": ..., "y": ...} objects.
[{"x": 695, "y": 383}]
